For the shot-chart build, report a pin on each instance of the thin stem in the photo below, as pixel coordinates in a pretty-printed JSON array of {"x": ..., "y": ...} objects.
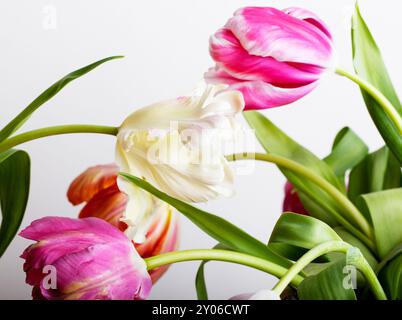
[
  {"x": 357, "y": 259},
  {"x": 349, "y": 209},
  {"x": 333, "y": 246},
  {"x": 220, "y": 255},
  {"x": 377, "y": 95},
  {"x": 306, "y": 259},
  {"x": 56, "y": 130}
]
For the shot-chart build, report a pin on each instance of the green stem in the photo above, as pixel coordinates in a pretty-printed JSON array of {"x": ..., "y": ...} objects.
[
  {"x": 332, "y": 246},
  {"x": 56, "y": 130},
  {"x": 220, "y": 255},
  {"x": 349, "y": 208},
  {"x": 377, "y": 95}
]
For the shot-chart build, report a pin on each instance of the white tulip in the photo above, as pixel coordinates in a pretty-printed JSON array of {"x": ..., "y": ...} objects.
[{"x": 178, "y": 146}]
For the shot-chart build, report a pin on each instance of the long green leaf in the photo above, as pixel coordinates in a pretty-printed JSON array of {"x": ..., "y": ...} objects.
[
  {"x": 326, "y": 285},
  {"x": 218, "y": 228},
  {"x": 45, "y": 96},
  {"x": 379, "y": 171},
  {"x": 200, "y": 285},
  {"x": 294, "y": 234},
  {"x": 369, "y": 65},
  {"x": 275, "y": 141},
  {"x": 385, "y": 211},
  {"x": 347, "y": 151},
  {"x": 14, "y": 191}
]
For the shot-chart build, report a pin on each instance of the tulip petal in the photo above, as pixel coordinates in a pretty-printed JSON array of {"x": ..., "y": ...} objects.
[
  {"x": 180, "y": 171},
  {"x": 174, "y": 113},
  {"x": 291, "y": 202},
  {"x": 162, "y": 237},
  {"x": 259, "y": 94},
  {"x": 309, "y": 17},
  {"x": 230, "y": 55},
  {"x": 91, "y": 260},
  {"x": 110, "y": 271},
  {"x": 90, "y": 182},
  {"x": 108, "y": 204},
  {"x": 169, "y": 145},
  {"x": 269, "y": 32},
  {"x": 47, "y": 227}
]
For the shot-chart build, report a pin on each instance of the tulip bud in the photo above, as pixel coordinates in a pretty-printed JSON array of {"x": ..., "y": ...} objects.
[
  {"x": 98, "y": 188},
  {"x": 291, "y": 202},
  {"x": 88, "y": 259},
  {"x": 273, "y": 57}
]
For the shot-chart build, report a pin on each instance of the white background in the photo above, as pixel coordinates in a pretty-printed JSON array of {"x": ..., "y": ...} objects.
[{"x": 166, "y": 49}]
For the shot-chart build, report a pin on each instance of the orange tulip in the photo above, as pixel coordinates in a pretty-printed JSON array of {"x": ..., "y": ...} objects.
[{"x": 97, "y": 187}]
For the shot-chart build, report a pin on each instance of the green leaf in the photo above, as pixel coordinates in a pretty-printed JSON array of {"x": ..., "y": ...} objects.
[
  {"x": 45, "y": 96},
  {"x": 385, "y": 211},
  {"x": 200, "y": 286},
  {"x": 275, "y": 141},
  {"x": 317, "y": 209},
  {"x": 326, "y": 285},
  {"x": 390, "y": 256},
  {"x": 347, "y": 151},
  {"x": 391, "y": 278},
  {"x": 14, "y": 191},
  {"x": 378, "y": 171},
  {"x": 355, "y": 242},
  {"x": 295, "y": 234},
  {"x": 218, "y": 228},
  {"x": 370, "y": 66}
]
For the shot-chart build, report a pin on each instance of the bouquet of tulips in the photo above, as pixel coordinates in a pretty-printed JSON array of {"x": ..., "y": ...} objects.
[{"x": 340, "y": 234}]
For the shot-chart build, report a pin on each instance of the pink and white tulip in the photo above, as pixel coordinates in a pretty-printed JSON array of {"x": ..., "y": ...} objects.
[
  {"x": 274, "y": 57},
  {"x": 97, "y": 187},
  {"x": 91, "y": 260}
]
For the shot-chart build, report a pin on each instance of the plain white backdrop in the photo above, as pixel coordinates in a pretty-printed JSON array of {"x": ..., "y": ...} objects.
[{"x": 166, "y": 47}]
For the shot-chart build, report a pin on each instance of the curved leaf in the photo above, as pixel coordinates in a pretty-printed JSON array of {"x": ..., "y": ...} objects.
[
  {"x": 379, "y": 171},
  {"x": 294, "y": 234},
  {"x": 347, "y": 151},
  {"x": 14, "y": 191},
  {"x": 277, "y": 142},
  {"x": 369, "y": 65},
  {"x": 45, "y": 96},
  {"x": 327, "y": 284},
  {"x": 218, "y": 228},
  {"x": 385, "y": 211}
]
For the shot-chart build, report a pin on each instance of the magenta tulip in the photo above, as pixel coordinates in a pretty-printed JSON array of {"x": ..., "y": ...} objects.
[
  {"x": 291, "y": 202},
  {"x": 273, "y": 57},
  {"x": 83, "y": 259}
]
